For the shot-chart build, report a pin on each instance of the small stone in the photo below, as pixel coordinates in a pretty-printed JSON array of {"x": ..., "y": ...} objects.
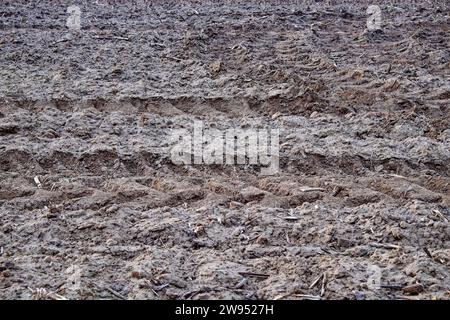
[
  {"x": 237, "y": 231},
  {"x": 251, "y": 194},
  {"x": 112, "y": 209},
  {"x": 177, "y": 282},
  {"x": 262, "y": 240},
  {"x": 413, "y": 289},
  {"x": 216, "y": 66},
  {"x": 340, "y": 272},
  {"x": 360, "y": 296},
  {"x": 351, "y": 219},
  {"x": 7, "y": 274},
  {"x": 200, "y": 230}
]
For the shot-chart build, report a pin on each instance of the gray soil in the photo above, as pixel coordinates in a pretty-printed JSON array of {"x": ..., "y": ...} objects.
[{"x": 364, "y": 181}]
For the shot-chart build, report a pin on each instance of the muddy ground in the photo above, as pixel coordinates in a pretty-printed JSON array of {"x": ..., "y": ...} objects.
[{"x": 91, "y": 206}]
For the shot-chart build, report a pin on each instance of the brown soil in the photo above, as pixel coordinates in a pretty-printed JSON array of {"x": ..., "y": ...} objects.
[{"x": 364, "y": 118}]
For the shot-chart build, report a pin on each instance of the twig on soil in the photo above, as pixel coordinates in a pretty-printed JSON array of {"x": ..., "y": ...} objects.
[
  {"x": 336, "y": 191},
  {"x": 327, "y": 251},
  {"x": 324, "y": 284},
  {"x": 59, "y": 41},
  {"x": 111, "y": 38},
  {"x": 310, "y": 189},
  {"x": 115, "y": 293},
  {"x": 406, "y": 298},
  {"x": 385, "y": 245},
  {"x": 173, "y": 58},
  {"x": 282, "y": 296},
  {"x": 241, "y": 284},
  {"x": 192, "y": 293},
  {"x": 315, "y": 282},
  {"x": 288, "y": 294},
  {"x": 291, "y": 218},
  {"x": 287, "y": 238},
  {"x": 246, "y": 223},
  {"x": 252, "y": 274},
  {"x": 307, "y": 296},
  {"x": 155, "y": 289},
  {"x": 159, "y": 288},
  {"x": 154, "y": 44},
  {"x": 425, "y": 249},
  {"x": 392, "y": 286},
  {"x": 441, "y": 215},
  {"x": 397, "y": 176}
]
